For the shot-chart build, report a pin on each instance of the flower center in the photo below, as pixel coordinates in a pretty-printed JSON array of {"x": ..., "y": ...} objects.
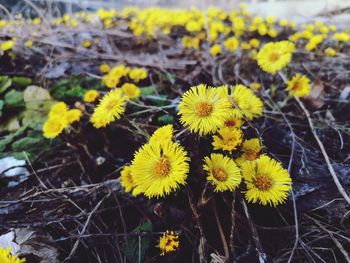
[
  {"x": 162, "y": 167},
  {"x": 110, "y": 104},
  {"x": 230, "y": 123},
  {"x": 274, "y": 56},
  {"x": 219, "y": 174},
  {"x": 251, "y": 156},
  {"x": 263, "y": 182},
  {"x": 204, "y": 109},
  {"x": 297, "y": 85}
]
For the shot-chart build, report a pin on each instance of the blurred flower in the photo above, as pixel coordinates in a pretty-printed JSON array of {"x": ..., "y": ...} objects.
[
  {"x": 215, "y": 50},
  {"x": 255, "y": 85},
  {"x": 110, "y": 108},
  {"x": 138, "y": 74},
  {"x": 87, "y": 43},
  {"x": 231, "y": 44},
  {"x": 330, "y": 52},
  {"x": 223, "y": 172},
  {"x": 131, "y": 90},
  {"x": 73, "y": 115},
  {"x": 104, "y": 68},
  {"x": 299, "y": 86},
  {"x": 91, "y": 95},
  {"x": 342, "y": 37},
  {"x": 7, "y": 45},
  {"x": 28, "y": 43},
  {"x": 274, "y": 56},
  {"x": 53, "y": 127}
]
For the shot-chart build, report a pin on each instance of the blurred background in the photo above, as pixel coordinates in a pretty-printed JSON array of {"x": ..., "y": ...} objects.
[{"x": 289, "y": 9}]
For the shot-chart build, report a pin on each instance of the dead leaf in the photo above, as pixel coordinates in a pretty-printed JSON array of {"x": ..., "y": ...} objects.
[
  {"x": 315, "y": 100},
  {"x": 36, "y": 243}
]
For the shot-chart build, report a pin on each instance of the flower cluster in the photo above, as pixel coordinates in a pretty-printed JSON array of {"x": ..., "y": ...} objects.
[
  {"x": 60, "y": 117},
  {"x": 161, "y": 166}
]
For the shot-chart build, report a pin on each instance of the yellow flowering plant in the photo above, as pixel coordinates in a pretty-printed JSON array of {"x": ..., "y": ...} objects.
[{"x": 185, "y": 135}]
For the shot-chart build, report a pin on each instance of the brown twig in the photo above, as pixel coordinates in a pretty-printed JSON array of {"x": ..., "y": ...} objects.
[{"x": 221, "y": 232}]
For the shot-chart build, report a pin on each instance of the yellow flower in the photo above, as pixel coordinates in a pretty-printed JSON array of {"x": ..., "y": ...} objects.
[
  {"x": 215, "y": 50},
  {"x": 284, "y": 22},
  {"x": 28, "y": 43},
  {"x": 228, "y": 140},
  {"x": 127, "y": 180},
  {"x": 73, "y": 115},
  {"x": 255, "y": 85},
  {"x": 138, "y": 74},
  {"x": 243, "y": 101},
  {"x": 262, "y": 29},
  {"x": 250, "y": 151},
  {"x": 193, "y": 26},
  {"x": 245, "y": 45},
  {"x": 58, "y": 110},
  {"x": 131, "y": 90},
  {"x": 342, "y": 36},
  {"x": 330, "y": 52},
  {"x": 203, "y": 110},
  {"x": 169, "y": 242},
  {"x": 104, "y": 68},
  {"x": 119, "y": 71},
  {"x": 223, "y": 172},
  {"x": 162, "y": 134},
  {"x": 274, "y": 56},
  {"x": 7, "y": 257},
  {"x": 267, "y": 181},
  {"x": 254, "y": 42},
  {"x": 272, "y": 33},
  {"x": 7, "y": 45},
  {"x": 53, "y": 127},
  {"x": 160, "y": 168},
  {"x": 87, "y": 43},
  {"x": 91, "y": 95},
  {"x": 110, "y": 81},
  {"x": 299, "y": 86},
  {"x": 110, "y": 108},
  {"x": 233, "y": 122},
  {"x": 314, "y": 42},
  {"x": 231, "y": 44},
  {"x": 249, "y": 104}
]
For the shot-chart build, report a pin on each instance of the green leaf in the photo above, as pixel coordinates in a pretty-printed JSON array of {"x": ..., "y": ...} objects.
[
  {"x": 1, "y": 106},
  {"x": 5, "y": 82},
  {"x": 4, "y": 141},
  {"x": 34, "y": 119},
  {"x": 21, "y": 81},
  {"x": 160, "y": 100},
  {"x": 62, "y": 92},
  {"x": 14, "y": 98},
  {"x": 135, "y": 247},
  {"x": 171, "y": 77},
  {"x": 26, "y": 143},
  {"x": 167, "y": 119},
  {"x": 146, "y": 91}
]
